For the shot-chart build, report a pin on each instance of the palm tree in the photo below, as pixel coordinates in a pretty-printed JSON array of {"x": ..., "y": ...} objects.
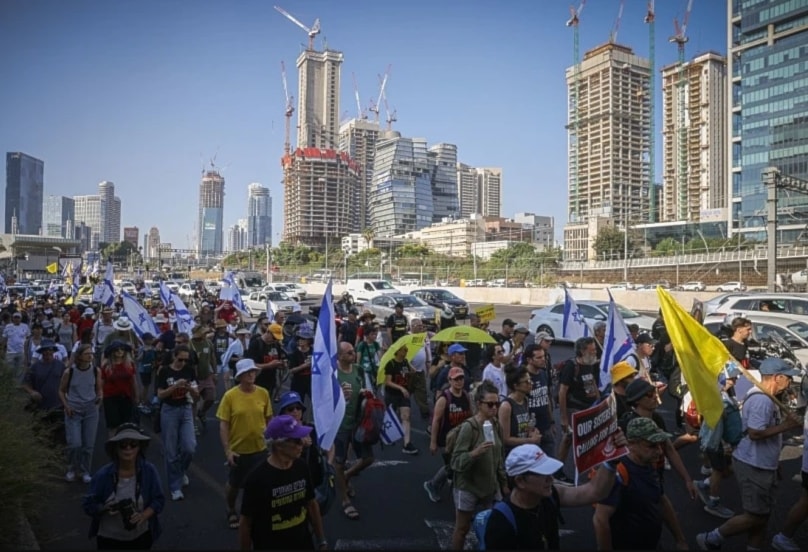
[{"x": 367, "y": 233}]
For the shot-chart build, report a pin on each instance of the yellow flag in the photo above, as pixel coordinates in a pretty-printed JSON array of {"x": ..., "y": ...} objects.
[
  {"x": 52, "y": 268},
  {"x": 701, "y": 356}
]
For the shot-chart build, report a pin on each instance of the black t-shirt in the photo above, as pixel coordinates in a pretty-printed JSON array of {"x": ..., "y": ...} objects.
[
  {"x": 583, "y": 382},
  {"x": 275, "y": 500},
  {"x": 297, "y": 358},
  {"x": 166, "y": 378},
  {"x": 262, "y": 352},
  {"x": 399, "y": 371},
  {"x": 347, "y": 331},
  {"x": 739, "y": 351},
  {"x": 398, "y": 325},
  {"x": 536, "y": 529},
  {"x": 539, "y": 400}
]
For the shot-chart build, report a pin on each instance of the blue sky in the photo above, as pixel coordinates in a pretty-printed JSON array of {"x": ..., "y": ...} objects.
[{"x": 135, "y": 91}]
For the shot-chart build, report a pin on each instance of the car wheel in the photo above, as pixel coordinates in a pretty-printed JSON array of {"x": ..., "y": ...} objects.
[
  {"x": 546, "y": 329},
  {"x": 720, "y": 289}
]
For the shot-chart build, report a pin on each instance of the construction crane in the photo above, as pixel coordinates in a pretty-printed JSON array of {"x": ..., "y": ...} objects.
[
  {"x": 290, "y": 108},
  {"x": 576, "y": 88},
  {"x": 314, "y": 31},
  {"x": 360, "y": 114},
  {"x": 616, "y": 27},
  {"x": 649, "y": 19},
  {"x": 680, "y": 39},
  {"x": 391, "y": 117},
  {"x": 374, "y": 108}
]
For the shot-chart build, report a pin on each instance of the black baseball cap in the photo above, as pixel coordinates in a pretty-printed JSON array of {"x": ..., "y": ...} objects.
[{"x": 508, "y": 322}]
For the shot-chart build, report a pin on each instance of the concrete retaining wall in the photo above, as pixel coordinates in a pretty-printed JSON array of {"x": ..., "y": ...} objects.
[{"x": 636, "y": 300}]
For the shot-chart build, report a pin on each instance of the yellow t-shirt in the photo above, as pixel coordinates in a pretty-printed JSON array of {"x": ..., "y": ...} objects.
[{"x": 247, "y": 414}]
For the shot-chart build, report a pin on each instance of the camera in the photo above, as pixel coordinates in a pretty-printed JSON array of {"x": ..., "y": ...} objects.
[{"x": 126, "y": 508}]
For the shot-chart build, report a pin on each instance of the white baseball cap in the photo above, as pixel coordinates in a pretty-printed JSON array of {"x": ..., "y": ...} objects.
[{"x": 530, "y": 459}]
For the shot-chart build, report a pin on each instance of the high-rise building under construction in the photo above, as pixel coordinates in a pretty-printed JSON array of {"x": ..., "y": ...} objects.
[
  {"x": 357, "y": 138},
  {"x": 318, "y": 98},
  {"x": 211, "y": 209}
]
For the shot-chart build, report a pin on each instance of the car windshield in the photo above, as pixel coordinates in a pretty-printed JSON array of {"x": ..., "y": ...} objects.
[
  {"x": 409, "y": 301},
  {"x": 624, "y": 312},
  {"x": 799, "y": 328},
  {"x": 445, "y": 295},
  {"x": 277, "y": 296},
  {"x": 381, "y": 284}
]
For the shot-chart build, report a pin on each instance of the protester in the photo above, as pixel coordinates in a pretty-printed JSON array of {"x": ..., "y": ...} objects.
[
  {"x": 279, "y": 510},
  {"x": 514, "y": 415},
  {"x": 784, "y": 540},
  {"x": 396, "y": 394},
  {"x": 125, "y": 495},
  {"x": 243, "y": 414},
  {"x": 42, "y": 381}
]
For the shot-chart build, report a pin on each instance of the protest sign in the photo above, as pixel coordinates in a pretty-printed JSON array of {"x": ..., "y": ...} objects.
[
  {"x": 486, "y": 313},
  {"x": 593, "y": 432}
]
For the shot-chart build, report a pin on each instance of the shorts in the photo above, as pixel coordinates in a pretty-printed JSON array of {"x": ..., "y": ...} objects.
[
  {"x": 207, "y": 388},
  {"x": 118, "y": 410},
  {"x": 396, "y": 400},
  {"x": 757, "y": 488},
  {"x": 468, "y": 502},
  {"x": 342, "y": 440},
  {"x": 718, "y": 459},
  {"x": 244, "y": 465},
  {"x": 145, "y": 378}
]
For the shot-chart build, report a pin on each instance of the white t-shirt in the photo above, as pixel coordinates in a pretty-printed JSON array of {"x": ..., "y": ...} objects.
[
  {"x": 421, "y": 359},
  {"x": 497, "y": 377},
  {"x": 759, "y": 412},
  {"x": 16, "y": 336}
]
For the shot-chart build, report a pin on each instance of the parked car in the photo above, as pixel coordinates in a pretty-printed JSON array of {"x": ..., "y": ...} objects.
[
  {"x": 711, "y": 305},
  {"x": 732, "y": 286},
  {"x": 693, "y": 286},
  {"x": 778, "y": 305},
  {"x": 187, "y": 292},
  {"x": 551, "y": 318},
  {"x": 443, "y": 299},
  {"x": 282, "y": 288},
  {"x": 256, "y": 302},
  {"x": 795, "y": 333},
  {"x": 384, "y": 305},
  {"x": 297, "y": 289}
]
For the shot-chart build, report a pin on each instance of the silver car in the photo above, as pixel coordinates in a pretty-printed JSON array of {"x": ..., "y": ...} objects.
[{"x": 384, "y": 305}]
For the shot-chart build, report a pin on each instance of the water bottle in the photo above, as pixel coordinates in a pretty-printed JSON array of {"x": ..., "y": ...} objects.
[{"x": 488, "y": 431}]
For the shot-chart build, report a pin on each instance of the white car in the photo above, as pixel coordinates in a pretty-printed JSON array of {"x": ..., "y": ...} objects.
[
  {"x": 186, "y": 292},
  {"x": 282, "y": 288},
  {"x": 732, "y": 286},
  {"x": 550, "y": 319},
  {"x": 694, "y": 286},
  {"x": 296, "y": 289},
  {"x": 256, "y": 302},
  {"x": 776, "y": 305}
]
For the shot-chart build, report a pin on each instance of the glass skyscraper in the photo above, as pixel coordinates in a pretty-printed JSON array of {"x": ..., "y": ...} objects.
[
  {"x": 59, "y": 216},
  {"x": 25, "y": 183},
  {"x": 259, "y": 215},
  {"x": 443, "y": 158},
  {"x": 401, "y": 195},
  {"x": 768, "y": 64}
]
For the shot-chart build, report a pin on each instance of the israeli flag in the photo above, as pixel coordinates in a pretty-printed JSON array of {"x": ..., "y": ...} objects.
[
  {"x": 165, "y": 294},
  {"x": 574, "y": 324},
  {"x": 617, "y": 344},
  {"x": 392, "y": 430},
  {"x": 53, "y": 289},
  {"x": 327, "y": 399},
  {"x": 142, "y": 321},
  {"x": 104, "y": 292},
  {"x": 229, "y": 279},
  {"x": 232, "y": 294},
  {"x": 184, "y": 318},
  {"x": 270, "y": 313}
]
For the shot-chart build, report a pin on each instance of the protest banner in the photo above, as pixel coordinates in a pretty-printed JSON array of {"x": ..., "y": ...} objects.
[
  {"x": 593, "y": 432},
  {"x": 486, "y": 313}
]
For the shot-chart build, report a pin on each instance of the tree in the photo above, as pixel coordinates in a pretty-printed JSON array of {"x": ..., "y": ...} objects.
[
  {"x": 610, "y": 243},
  {"x": 120, "y": 252},
  {"x": 368, "y": 234}
]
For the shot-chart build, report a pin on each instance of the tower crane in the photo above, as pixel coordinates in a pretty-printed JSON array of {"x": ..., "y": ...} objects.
[
  {"x": 573, "y": 22},
  {"x": 391, "y": 117},
  {"x": 314, "y": 31},
  {"x": 290, "y": 108},
  {"x": 616, "y": 28},
  {"x": 375, "y": 107},
  {"x": 649, "y": 19},
  {"x": 680, "y": 39},
  {"x": 360, "y": 114}
]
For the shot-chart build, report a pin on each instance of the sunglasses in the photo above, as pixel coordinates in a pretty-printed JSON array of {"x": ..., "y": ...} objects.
[
  {"x": 490, "y": 404},
  {"x": 458, "y": 378},
  {"x": 292, "y": 408},
  {"x": 128, "y": 444}
]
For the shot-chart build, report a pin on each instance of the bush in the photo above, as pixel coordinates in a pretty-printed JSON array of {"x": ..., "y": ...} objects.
[{"x": 28, "y": 460}]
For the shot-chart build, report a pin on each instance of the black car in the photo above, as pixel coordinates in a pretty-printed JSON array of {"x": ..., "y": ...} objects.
[{"x": 443, "y": 299}]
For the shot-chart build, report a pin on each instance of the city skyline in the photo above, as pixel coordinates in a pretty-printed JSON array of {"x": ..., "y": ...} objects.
[{"x": 158, "y": 113}]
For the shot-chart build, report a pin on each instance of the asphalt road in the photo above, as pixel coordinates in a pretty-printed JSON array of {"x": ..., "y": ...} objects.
[{"x": 395, "y": 511}]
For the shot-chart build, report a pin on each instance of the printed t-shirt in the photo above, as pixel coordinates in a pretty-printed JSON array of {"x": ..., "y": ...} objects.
[{"x": 168, "y": 376}]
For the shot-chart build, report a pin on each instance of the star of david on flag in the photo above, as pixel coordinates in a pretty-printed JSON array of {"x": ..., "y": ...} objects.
[
  {"x": 142, "y": 321},
  {"x": 574, "y": 324},
  {"x": 617, "y": 343}
]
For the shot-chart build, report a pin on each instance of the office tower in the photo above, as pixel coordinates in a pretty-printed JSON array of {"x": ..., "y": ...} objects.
[
  {"x": 131, "y": 234},
  {"x": 319, "y": 188},
  {"x": 401, "y": 196},
  {"x": 152, "y": 243},
  {"x": 543, "y": 227},
  {"x": 468, "y": 193},
  {"x": 443, "y": 163},
  {"x": 25, "y": 183},
  {"x": 609, "y": 143},
  {"x": 110, "y": 212},
  {"x": 768, "y": 124},
  {"x": 489, "y": 186},
  {"x": 358, "y": 138},
  {"x": 211, "y": 209},
  {"x": 89, "y": 211},
  {"x": 58, "y": 216},
  {"x": 237, "y": 236},
  {"x": 259, "y": 216},
  {"x": 693, "y": 137},
  {"x": 318, "y": 99}
]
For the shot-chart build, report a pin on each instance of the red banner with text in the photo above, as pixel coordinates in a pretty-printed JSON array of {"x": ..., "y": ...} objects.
[{"x": 593, "y": 432}]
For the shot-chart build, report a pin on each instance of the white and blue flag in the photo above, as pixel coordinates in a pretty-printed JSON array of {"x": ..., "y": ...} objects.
[
  {"x": 270, "y": 312},
  {"x": 165, "y": 293},
  {"x": 184, "y": 318},
  {"x": 142, "y": 322},
  {"x": 391, "y": 430},
  {"x": 618, "y": 344},
  {"x": 327, "y": 399},
  {"x": 574, "y": 324},
  {"x": 230, "y": 292},
  {"x": 104, "y": 291}
]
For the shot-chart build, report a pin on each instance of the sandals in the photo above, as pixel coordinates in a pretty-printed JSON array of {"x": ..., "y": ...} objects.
[
  {"x": 232, "y": 520},
  {"x": 350, "y": 512}
]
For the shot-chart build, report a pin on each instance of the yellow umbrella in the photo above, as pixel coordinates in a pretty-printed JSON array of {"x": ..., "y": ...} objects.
[
  {"x": 464, "y": 334},
  {"x": 413, "y": 342}
]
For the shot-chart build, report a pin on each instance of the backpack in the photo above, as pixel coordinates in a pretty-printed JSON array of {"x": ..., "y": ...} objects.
[
  {"x": 733, "y": 424},
  {"x": 371, "y": 419},
  {"x": 451, "y": 437},
  {"x": 481, "y": 521},
  {"x": 70, "y": 375}
]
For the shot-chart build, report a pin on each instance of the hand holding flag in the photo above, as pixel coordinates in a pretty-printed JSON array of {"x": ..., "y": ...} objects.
[{"x": 327, "y": 399}]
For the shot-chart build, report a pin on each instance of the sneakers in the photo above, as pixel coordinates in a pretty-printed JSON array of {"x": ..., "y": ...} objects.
[
  {"x": 562, "y": 479},
  {"x": 177, "y": 495},
  {"x": 715, "y": 508},
  {"x": 144, "y": 409},
  {"x": 434, "y": 496},
  {"x": 782, "y": 542},
  {"x": 706, "y": 471},
  {"x": 703, "y": 491},
  {"x": 86, "y": 478},
  {"x": 185, "y": 481},
  {"x": 705, "y": 544},
  {"x": 409, "y": 448},
  {"x": 70, "y": 476}
]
